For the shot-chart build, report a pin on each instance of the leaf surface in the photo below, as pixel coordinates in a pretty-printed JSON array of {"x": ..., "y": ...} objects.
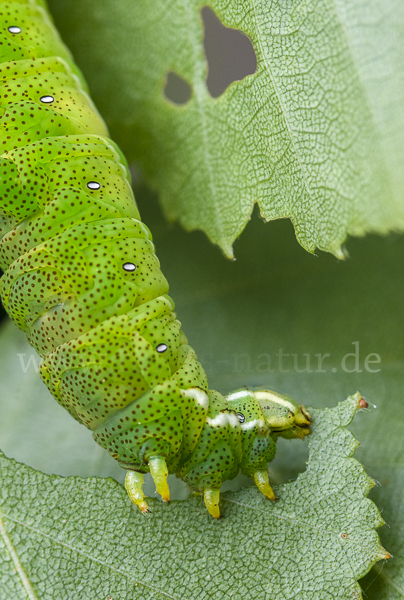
[
  {"x": 316, "y": 134},
  {"x": 83, "y": 539}
]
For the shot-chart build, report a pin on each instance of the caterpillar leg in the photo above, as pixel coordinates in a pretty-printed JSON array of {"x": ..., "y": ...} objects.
[
  {"x": 211, "y": 498},
  {"x": 159, "y": 472},
  {"x": 262, "y": 482},
  {"x": 134, "y": 485}
]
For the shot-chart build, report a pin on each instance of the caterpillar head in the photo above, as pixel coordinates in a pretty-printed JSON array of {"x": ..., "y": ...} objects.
[{"x": 283, "y": 415}]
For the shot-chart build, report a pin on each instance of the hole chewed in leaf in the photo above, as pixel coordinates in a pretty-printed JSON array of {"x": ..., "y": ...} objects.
[
  {"x": 177, "y": 89},
  {"x": 229, "y": 54}
]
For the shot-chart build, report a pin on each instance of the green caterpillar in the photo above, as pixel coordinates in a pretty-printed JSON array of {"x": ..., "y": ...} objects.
[{"x": 82, "y": 280}]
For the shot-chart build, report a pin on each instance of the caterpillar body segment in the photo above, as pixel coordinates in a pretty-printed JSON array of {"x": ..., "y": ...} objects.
[{"x": 82, "y": 280}]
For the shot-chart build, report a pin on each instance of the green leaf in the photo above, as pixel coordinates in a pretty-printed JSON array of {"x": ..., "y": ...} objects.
[
  {"x": 316, "y": 134},
  {"x": 73, "y": 537},
  {"x": 384, "y": 455}
]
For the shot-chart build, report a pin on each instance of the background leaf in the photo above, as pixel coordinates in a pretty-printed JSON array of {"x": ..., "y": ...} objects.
[
  {"x": 83, "y": 538},
  {"x": 316, "y": 134}
]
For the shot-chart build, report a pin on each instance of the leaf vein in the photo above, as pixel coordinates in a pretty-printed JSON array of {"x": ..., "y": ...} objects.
[
  {"x": 82, "y": 553},
  {"x": 17, "y": 564}
]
